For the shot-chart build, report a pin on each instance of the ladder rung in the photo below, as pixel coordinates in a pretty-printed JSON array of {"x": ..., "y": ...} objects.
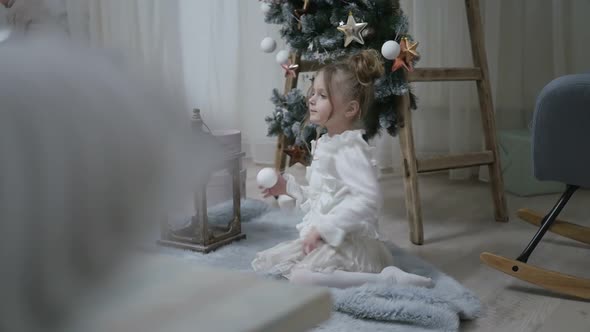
[
  {"x": 445, "y": 74},
  {"x": 309, "y": 66},
  {"x": 419, "y": 74},
  {"x": 455, "y": 161}
]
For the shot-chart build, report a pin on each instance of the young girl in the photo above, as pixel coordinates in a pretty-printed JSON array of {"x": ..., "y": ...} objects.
[{"x": 338, "y": 244}]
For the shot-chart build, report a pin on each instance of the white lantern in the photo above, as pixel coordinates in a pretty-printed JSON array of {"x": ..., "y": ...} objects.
[{"x": 207, "y": 232}]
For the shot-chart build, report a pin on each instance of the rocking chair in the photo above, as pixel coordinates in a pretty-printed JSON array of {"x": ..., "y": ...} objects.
[{"x": 561, "y": 132}]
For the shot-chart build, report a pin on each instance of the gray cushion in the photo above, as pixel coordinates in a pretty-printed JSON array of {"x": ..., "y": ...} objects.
[{"x": 561, "y": 131}]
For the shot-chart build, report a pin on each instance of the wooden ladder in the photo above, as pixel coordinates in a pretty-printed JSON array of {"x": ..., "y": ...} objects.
[{"x": 413, "y": 166}]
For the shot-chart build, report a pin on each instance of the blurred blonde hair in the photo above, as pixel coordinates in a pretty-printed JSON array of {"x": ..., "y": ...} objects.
[{"x": 91, "y": 158}]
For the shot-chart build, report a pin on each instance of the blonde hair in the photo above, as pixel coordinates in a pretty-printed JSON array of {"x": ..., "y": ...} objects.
[{"x": 356, "y": 76}]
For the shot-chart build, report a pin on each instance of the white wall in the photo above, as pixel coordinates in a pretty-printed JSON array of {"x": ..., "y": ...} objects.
[{"x": 258, "y": 76}]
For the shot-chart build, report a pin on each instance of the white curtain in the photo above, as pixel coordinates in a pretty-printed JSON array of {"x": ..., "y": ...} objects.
[
  {"x": 207, "y": 52},
  {"x": 528, "y": 43},
  {"x": 210, "y": 37},
  {"x": 141, "y": 32},
  {"x": 214, "y": 50}
]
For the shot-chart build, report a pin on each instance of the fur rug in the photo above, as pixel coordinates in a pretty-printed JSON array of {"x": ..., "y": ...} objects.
[{"x": 371, "y": 307}]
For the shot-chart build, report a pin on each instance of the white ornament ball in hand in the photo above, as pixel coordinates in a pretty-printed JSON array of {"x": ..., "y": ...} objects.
[
  {"x": 268, "y": 45},
  {"x": 390, "y": 49},
  {"x": 282, "y": 57},
  {"x": 267, "y": 177},
  {"x": 264, "y": 7}
]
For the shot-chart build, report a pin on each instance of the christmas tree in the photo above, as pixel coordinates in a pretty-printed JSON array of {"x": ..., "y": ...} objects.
[{"x": 327, "y": 30}]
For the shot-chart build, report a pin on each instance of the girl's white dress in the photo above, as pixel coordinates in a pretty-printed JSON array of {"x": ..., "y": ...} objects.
[{"x": 342, "y": 201}]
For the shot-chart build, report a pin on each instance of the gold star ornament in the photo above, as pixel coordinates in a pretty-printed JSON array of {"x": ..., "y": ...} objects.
[
  {"x": 352, "y": 31},
  {"x": 407, "y": 55},
  {"x": 411, "y": 48}
]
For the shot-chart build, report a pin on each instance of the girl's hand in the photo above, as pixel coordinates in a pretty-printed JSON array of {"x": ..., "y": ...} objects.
[
  {"x": 280, "y": 188},
  {"x": 312, "y": 241}
]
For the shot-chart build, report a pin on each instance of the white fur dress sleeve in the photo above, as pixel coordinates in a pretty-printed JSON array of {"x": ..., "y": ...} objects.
[
  {"x": 358, "y": 198},
  {"x": 295, "y": 190}
]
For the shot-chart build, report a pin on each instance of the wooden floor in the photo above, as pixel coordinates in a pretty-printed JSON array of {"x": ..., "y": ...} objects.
[{"x": 459, "y": 225}]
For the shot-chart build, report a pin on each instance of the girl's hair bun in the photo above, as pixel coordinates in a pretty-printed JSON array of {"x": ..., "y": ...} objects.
[{"x": 367, "y": 66}]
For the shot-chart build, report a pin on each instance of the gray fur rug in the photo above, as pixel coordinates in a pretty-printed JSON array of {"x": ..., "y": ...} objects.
[{"x": 377, "y": 307}]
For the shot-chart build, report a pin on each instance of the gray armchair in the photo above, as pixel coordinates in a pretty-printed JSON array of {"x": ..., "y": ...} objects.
[
  {"x": 561, "y": 131},
  {"x": 561, "y": 153}
]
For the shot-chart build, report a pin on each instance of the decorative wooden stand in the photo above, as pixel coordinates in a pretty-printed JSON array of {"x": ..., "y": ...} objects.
[{"x": 413, "y": 166}]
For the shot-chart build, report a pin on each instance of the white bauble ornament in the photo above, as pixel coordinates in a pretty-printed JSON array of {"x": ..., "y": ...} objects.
[
  {"x": 264, "y": 7},
  {"x": 268, "y": 45},
  {"x": 267, "y": 177},
  {"x": 390, "y": 49},
  {"x": 286, "y": 202},
  {"x": 282, "y": 57}
]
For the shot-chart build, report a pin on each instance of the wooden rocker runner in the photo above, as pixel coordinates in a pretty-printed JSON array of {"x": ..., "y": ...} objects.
[
  {"x": 561, "y": 122},
  {"x": 412, "y": 166}
]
